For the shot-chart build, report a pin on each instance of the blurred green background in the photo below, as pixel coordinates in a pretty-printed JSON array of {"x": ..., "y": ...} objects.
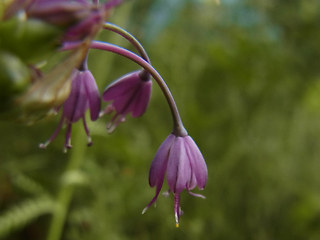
[{"x": 246, "y": 78}]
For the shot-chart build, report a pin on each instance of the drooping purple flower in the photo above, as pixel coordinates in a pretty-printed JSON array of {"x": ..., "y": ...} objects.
[
  {"x": 182, "y": 161},
  {"x": 84, "y": 94},
  {"x": 78, "y": 18},
  {"x": 129, "y": 94},
  {"x": 59, "y": 12}
]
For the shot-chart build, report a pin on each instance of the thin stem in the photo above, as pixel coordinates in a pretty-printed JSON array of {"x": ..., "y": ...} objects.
[
  {"x": 178, "y": 128},
  {"x": 66, "y": 191},
  {"x": 84, "y": 65},
  {"x": 122, "y": 32}
]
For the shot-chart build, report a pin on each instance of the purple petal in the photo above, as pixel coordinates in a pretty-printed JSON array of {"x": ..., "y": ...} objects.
[
  {"x": 142, "y": 99},
  {"x": 121, "y": 86},
  {"x": 84, "y": 28},
  {"x": 158, "y": 168},
  {"x": 77, "y": 102},
  {"x": 92, "y": 94},
  {"x": 59, "y": 12},
  {"x": 193, "y": 181},
  {"x": 198, "y": 163},
  {"x": 179, "y": 168},
  {"x": 125, "y": 104},
  {"x": 159, "y": 163}
]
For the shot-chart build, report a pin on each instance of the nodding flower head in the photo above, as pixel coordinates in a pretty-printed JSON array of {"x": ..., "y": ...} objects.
[
  {"x": 84, "y": 94},
  {"x": 129, "y": 94},
  {"x": 79, "y": 18},
  {"x": 57, "y": 12},
  {"x": 182, "y": 161}
]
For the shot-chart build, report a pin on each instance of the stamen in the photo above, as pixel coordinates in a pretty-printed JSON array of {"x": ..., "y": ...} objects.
[
  {"x": 166, "y": 193},
  {"x": 197, "y": 195},
  {"x": 89, "y": 140},
  {"x": 108, "y": 109},
  {"x": 177, "y": 208},
  {"x": 43, "y": 145},
  {"x": 154, "y": 199},
  {"x": 144, "y": 210},
  {"x": 116, "y": 120},
  {"x": 67, "y": 144},
  {"x": 65, "y": 150},
  {"x": 53, "y": 136}
]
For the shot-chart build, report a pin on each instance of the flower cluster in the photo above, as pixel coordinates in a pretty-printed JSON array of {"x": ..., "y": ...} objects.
[{"x": 78, "y": 21}]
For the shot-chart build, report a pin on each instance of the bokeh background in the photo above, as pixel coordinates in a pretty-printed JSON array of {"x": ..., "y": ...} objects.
[{"x": 246, "y": 78}]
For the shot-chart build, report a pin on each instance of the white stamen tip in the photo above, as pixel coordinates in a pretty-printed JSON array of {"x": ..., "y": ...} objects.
[
  {"x": 111, "y": 127},
  {"x": 177, "y": 220},
  {"x": 89, "y": 142},
  {"x": 144, "y": 210},
  {"x": 166, "y": 194},
  {"x": 101, "y": 114},
  {"x": 43, "y": 145}
]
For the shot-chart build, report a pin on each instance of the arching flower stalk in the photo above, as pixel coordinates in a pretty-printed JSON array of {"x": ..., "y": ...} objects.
[{"x": 179, "y": 158}]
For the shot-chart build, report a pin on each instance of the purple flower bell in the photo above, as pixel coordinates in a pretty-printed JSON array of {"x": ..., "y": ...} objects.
[
  {"x": 78, "y": 18},
  {"x": 84, "y": 94},
  {"x": 184, "y": 164},
  {"x": 58, "y": 12},
  {"x": 129, "y": 94}
]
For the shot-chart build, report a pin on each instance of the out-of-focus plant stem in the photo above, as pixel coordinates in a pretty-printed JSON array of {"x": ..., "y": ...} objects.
[
  {"x": 66, "y": 191},
  {"x": 76, "y": 158}
]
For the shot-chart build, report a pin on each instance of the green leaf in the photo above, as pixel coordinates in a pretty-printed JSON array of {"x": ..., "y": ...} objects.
[
  {"x": 29, "y": 39},
  {"x": 20, "y": 215},
  {"x": 14, "y": 78}
]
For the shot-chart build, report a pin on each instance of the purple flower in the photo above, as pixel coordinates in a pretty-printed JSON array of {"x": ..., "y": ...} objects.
[
  {"x": 84, "y": 94},
  {"x": 184, "y": 164},
  {"x": 129, "y": 94},
  {"x": 79, "y": 18},
  {"x": 57, "y": 12}
]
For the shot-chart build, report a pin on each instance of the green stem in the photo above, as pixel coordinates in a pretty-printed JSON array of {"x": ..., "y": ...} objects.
[{"x": 66, "y": 191}]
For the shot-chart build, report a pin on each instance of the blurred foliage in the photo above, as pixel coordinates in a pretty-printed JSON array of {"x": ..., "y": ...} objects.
[{"x": 246, "y": 76}]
